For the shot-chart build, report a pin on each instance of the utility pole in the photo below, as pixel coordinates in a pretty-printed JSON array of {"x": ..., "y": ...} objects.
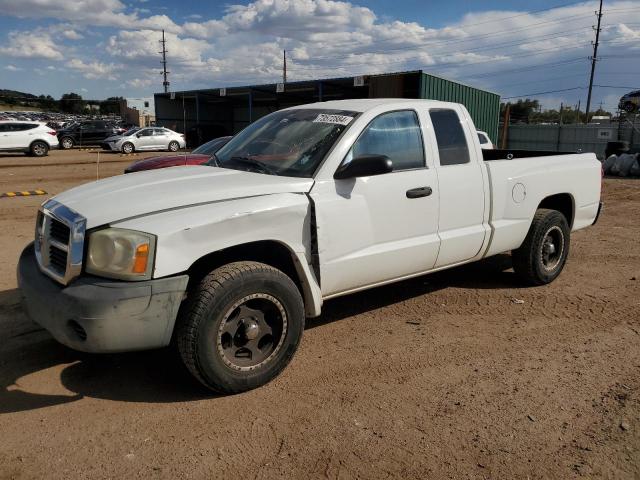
[
  {"x": 165, "y": 83},
  {"x": 284, "y": 66},
  {"x": 594, "y": 59}
]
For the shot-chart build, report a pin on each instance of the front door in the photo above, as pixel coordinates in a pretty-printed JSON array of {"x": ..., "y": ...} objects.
[
  {"x": 145, "y": 139},
  {"x": 384, "y": 227}
]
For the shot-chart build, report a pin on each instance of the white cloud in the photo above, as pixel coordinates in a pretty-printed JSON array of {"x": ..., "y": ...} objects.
[
  {"x": 31, "y": 45},
  {"x": 72, "y": 35},
  {"x": 12, "y": 68},
  {"x": 94, "y": 70},
  {"x": 142, "y": 46},
  {"x": 139, "y": 82}
]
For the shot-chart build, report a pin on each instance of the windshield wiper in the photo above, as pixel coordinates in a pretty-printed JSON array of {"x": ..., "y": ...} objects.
[{"x": 252, "y": 162}]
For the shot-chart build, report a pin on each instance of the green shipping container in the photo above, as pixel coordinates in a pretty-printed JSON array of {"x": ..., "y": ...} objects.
[
  {"x": 215, "y": 112},
  {"x": 484, "y": 106}
]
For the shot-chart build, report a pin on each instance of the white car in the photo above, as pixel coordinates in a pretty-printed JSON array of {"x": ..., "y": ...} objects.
[
  {"x": 145, "y": 139},
  {"x": 485, "y": 142},
  {"x": 305, "y": 204},
  {"x": 32, "y": 138}
]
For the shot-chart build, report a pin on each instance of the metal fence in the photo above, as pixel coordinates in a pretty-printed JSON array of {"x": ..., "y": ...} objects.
[{"x": 573, "y": 138}]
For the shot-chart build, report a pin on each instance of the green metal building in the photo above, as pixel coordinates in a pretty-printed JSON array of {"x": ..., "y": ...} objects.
[{"x": 210, "y": 113}]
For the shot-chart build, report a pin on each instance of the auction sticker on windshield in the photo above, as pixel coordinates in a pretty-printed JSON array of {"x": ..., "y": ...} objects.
[{"x": 335, "y": 119}]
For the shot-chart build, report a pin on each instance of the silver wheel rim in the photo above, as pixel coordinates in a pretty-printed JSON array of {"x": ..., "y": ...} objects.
[
  {"x": 38, "y": 149},
  {"x": 173, "y": 146},
  {"x": 252, "y": 332},
  {"x": 552, "y": 248},
  {"x": 127, "y": 148},
  {"x": 66, "y": 143}
]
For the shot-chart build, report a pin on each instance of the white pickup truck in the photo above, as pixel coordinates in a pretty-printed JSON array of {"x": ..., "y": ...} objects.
[{"x": 309, "y": 203}]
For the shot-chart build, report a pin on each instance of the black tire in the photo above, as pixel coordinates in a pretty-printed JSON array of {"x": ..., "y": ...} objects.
[
  {"x": 66, "y": 143},
  {"x": 543, "y": 254},
  {"x": 174, "y": 146},
  {"x": 629, "y": 107},
  {"x": 127, "y": 147},
  {"x": 209, "y": 315},
  {"x": 38, "y": 149}
]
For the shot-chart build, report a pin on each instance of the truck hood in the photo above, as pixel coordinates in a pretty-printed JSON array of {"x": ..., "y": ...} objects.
[{"x": 144, "y": 193}]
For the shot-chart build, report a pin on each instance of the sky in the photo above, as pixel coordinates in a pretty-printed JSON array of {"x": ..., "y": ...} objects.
[{"x": 103, "y": 48}]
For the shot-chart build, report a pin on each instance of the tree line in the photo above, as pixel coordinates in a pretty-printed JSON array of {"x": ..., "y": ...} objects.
[{"x": 68, "y": 103}]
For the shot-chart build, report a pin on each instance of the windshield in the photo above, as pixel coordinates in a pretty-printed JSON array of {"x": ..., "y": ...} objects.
[
  {"x": 131, "y": 131},
  {"x": 211, "y": 147},
  {"x": 290, "y": 142}
]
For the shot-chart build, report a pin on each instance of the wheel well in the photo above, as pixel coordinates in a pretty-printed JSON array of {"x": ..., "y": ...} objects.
[
  {"x": 269, "y": 252},
  {"x": 563, "y": 203}
]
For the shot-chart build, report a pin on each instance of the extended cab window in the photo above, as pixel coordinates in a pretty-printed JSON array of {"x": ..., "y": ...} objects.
[
  {"x": 396, "y": 135},
  {"x": 452, "y": 144}
]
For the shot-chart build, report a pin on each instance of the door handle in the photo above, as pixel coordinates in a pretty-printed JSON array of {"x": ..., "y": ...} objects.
[{"x": 419, "y": 192}]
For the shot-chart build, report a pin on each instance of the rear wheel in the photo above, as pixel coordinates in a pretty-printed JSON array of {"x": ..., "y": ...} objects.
[
  {"x": 66, "y": 143},
  {"x": 127, "y": 147},
  {"x": 39, "y": 149},
  {"x": 240, "y": 326},
  {"x": 543, "y": 254},
  {"x": 174, "y": 146}
]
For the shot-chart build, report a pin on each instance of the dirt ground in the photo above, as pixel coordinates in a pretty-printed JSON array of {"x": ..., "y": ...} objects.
[{"x": 444, "y": 376}]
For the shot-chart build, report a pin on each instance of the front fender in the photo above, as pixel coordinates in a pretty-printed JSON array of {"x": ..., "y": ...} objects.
[{"x": 188, "y": 234}]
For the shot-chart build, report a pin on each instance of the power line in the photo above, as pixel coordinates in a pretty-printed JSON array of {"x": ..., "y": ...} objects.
[
  {"x": 543, "y": 93},
  {"x": 472, "y": 38},
  {"x": 455, "y": 64}
]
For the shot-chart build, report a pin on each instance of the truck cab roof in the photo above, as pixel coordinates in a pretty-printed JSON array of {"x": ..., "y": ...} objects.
[{"x": 364, "y": 104}]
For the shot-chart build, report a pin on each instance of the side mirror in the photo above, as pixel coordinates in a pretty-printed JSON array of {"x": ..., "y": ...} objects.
[
  {"x": 364, "y": 166},
  {"x": 138, "y": 135}
]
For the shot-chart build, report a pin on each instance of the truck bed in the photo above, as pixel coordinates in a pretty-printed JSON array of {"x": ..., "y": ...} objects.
[{"x": 510, "y": 154}]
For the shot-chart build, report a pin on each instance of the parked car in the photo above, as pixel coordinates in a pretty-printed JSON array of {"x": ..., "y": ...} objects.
[
  {"x": 305, "y": 204},
  {"x": 32, "y": 138},
  {"x": 199, "y": 156},
  {"x": 145, "y": 139},
  {"x": 485, "y": 141},
  {"x": 86, "y": 133},
  {"x": 630, "y": 102}
]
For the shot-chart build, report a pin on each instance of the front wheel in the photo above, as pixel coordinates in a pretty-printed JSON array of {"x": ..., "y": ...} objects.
[
  {"x": 174, "y": 146},
  {"x": 629, "y": 107},
  {"x": 127, "y": 148},
  {"x": 240, "y": 326},
  {"x": 543, "y": 254}
]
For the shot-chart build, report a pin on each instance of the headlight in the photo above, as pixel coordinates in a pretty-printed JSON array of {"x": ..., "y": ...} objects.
[{"x": 122, "y": 254}]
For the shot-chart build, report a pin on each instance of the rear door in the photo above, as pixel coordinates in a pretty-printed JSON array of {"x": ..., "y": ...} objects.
[
  {"x": 160, "y": 138},
  {"x": 18, "y": 134},
  {"x": 461, "y": 180}
]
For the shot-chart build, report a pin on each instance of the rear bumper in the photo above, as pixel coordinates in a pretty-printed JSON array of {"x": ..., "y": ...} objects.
[{"x": 99, "y": 315}]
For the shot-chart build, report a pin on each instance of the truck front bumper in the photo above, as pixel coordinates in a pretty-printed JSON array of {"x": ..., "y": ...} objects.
[{"x": 99, "y": 315}]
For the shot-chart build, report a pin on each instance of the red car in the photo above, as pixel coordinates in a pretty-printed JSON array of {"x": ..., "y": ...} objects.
[{"x": 200, "y": 155}]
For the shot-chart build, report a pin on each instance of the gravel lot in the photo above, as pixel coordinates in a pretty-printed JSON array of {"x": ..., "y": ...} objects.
[{"x": 444, "y": 376}]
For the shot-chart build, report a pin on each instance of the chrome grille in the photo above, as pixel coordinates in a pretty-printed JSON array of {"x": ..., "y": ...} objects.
[
  {"x": 59, "y": 231},
  {"x": 59, "y": 241}
]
